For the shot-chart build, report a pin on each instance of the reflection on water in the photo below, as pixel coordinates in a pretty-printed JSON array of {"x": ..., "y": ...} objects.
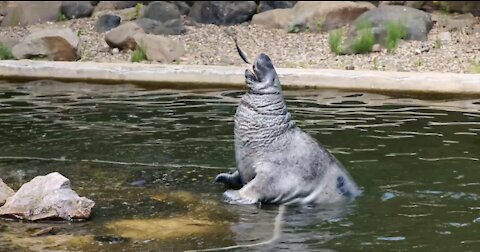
[{"x": 132, "y": 150}]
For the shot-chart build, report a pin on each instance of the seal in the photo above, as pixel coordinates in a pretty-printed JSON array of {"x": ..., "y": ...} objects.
[{"x": 277, "y": 162}]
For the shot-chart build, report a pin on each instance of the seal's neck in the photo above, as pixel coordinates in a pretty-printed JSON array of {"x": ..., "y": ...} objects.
[{"x": 261, "y": 118}]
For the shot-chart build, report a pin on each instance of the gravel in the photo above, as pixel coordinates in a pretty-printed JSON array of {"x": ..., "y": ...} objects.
[{"x": 210, "y": 45}]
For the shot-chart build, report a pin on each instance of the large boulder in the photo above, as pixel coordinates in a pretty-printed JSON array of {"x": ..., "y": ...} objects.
[
  {"x": 52, "y": 44},
  {"x": 460, "y": 6},
  {"x": 117, "y": 5},
  {"x": 122, "y": 37},
  {"x": 222, "y": 12},
  {"x": 276, "y": 19},
  {"x": 271, "y": 5},
  {"x": 76, "y": 9},
  {"x": 413, "y": 4},
  {"x": 5, "y": 192},
  {"x": 47, "y": 197},
  {"x": 25, "y": 13},
  {"x": 182, "y": 6},
  {"x": 161, "y": 11},
  {"x": 323, "y": 16},
  {"x": 170, "y": 27},
  {"x": 160, "y": 48},
  {"x": 416, "y": 22},
  {"x": 107, "y": 22}
]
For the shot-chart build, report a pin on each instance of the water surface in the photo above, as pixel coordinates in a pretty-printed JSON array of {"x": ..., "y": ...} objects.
[{"x": 131, "y": 149}]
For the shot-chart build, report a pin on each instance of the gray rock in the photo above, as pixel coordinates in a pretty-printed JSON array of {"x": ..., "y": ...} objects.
[
  {"x": 160, "y": 48},
  {"x": 445, "y": 37},
  {"x": 5, "y": 192},
  {"x": 107, "y": 22},
  {"x": 271, "y": 5},
  {"x": 47, "y": 197},
  {"x": 276, "y": 19},
  {"x": 222, "y": 12},
  {"x": 76, "y": 9},
  {"x": 377, "y": 48},
  {"x": 321, "y": 16},
  {"x": 417, "y": 23},
  {"x": 117, "y": 5},
  {"x": 29, "y": 12},
  {"x": 182, "y": 6},
  {"x": 161, "y": 11},
  {"x": 170, "y": 27},
  {"x": 121, "y": 37},
  {"x": 53, "y": 44}
]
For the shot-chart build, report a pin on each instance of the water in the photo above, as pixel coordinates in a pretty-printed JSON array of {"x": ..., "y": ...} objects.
[{"x": 148, "y": 157}]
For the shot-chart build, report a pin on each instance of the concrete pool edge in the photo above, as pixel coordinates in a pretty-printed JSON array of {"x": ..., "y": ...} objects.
[{"x": 233, "y": 76}]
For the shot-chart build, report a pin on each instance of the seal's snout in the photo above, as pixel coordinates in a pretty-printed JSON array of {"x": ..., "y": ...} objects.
[{"x": 263, "y": 66}]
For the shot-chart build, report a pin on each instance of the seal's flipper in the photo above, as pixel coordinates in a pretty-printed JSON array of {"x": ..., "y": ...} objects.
[{"x": 230, "y": 179}]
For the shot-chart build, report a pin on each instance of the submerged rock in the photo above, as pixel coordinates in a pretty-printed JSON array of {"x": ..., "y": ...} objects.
[
  {"x": 5, "y": 192},
  {"x": 47, "y": 197},
  {"x": 166, "y": 229}
]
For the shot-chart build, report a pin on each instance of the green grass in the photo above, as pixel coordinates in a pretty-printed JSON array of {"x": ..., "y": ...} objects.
[
  {"x": 5, "y": 52},
  {"x": 61, "y": 17},
  {"x": 438, "y": 43},
  {"x": 335, "y": 41},
  {"x": 395, "y": 32},
  {"x": 364, "y": 40},
  {"x": 475, "y": 68},
  {"x": 294, "y": 29},
  {"x": 138, "y": 10},
  {"x": 138, "y": 55}
]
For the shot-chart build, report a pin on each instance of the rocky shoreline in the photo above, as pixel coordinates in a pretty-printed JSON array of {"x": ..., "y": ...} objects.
[{"x": 445, "y": 50}]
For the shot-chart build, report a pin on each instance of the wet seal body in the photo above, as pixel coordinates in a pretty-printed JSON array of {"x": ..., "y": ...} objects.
[{"x": 278, "y": 163}]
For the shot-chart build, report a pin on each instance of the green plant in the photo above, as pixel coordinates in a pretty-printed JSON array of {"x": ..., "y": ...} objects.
[
  {"x": 61, "y": 17},
  {"x": 395, "y": 32},
  {"x": 5, "y": 52},
  {"x": 475, "y": 67},
  {"x": 375, "y": 63},
  {"x": 444, "y": 6},
  {"x": 138, "y": 55},
  {"x": 293, "y": 29},
  {"x": 418, "y": 63},
  {"x": 364, "y": 39},
  {"x": 438, "y": 43},
  {"x": 335, "y": 41},
  {"x": 138, "y": 9},
  {"x": 79, "y": 33}
]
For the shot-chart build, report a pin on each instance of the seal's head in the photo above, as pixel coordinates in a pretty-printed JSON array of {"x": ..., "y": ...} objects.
[{"x": 263, "y": 79}]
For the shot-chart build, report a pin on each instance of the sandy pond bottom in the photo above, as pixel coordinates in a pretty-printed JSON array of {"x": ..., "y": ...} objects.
[{"x": 148, "y": 157}]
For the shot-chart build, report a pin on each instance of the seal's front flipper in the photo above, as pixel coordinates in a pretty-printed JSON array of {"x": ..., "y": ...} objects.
[
  {"x": 232, "y": 180},
  {"x": 259, "y": 189}
]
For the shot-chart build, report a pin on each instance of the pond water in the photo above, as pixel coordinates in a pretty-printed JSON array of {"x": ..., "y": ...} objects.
[{"x": 148, "y": 157}]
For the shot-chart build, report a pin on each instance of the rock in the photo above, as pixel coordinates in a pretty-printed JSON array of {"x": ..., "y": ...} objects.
[
  {"x": 115, "y": 51},
  {"x": 350, "y": 67},
  {"x": 53, "y": 44},
  {"x": 271, "y": 5},
  {"x": 47, "y": 197},
  {"x": 182, "y": 6},
  {"x": 5, "y": 192},
  {"x": 161, "y": 11},
  {"x": 160, "y": 48},
  {"x": 276, "y": 19},
  {"x": 170, "y": 27},
  {"x": 76, "y": 9},
  {"x": 417, "y": 23},
  {"x": 445, "y": 37},
  {"x": 167, "y": 229},
  {"x": 323, "y": 16},
  {"x": 456, "y": 22},
  {"x": 25, "y": 13},
  {"x": 460, "y": 6},
  {"x": 9, "y": 42},
  {"x": 376, "y": 48},
  {"x": 122, "y": 37},
  {"x": 222, "y": 12},
  {"x": 117, "y": 5},
  {"x": 107, "y": 22},
  {"x": 412, "y": 4}
]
